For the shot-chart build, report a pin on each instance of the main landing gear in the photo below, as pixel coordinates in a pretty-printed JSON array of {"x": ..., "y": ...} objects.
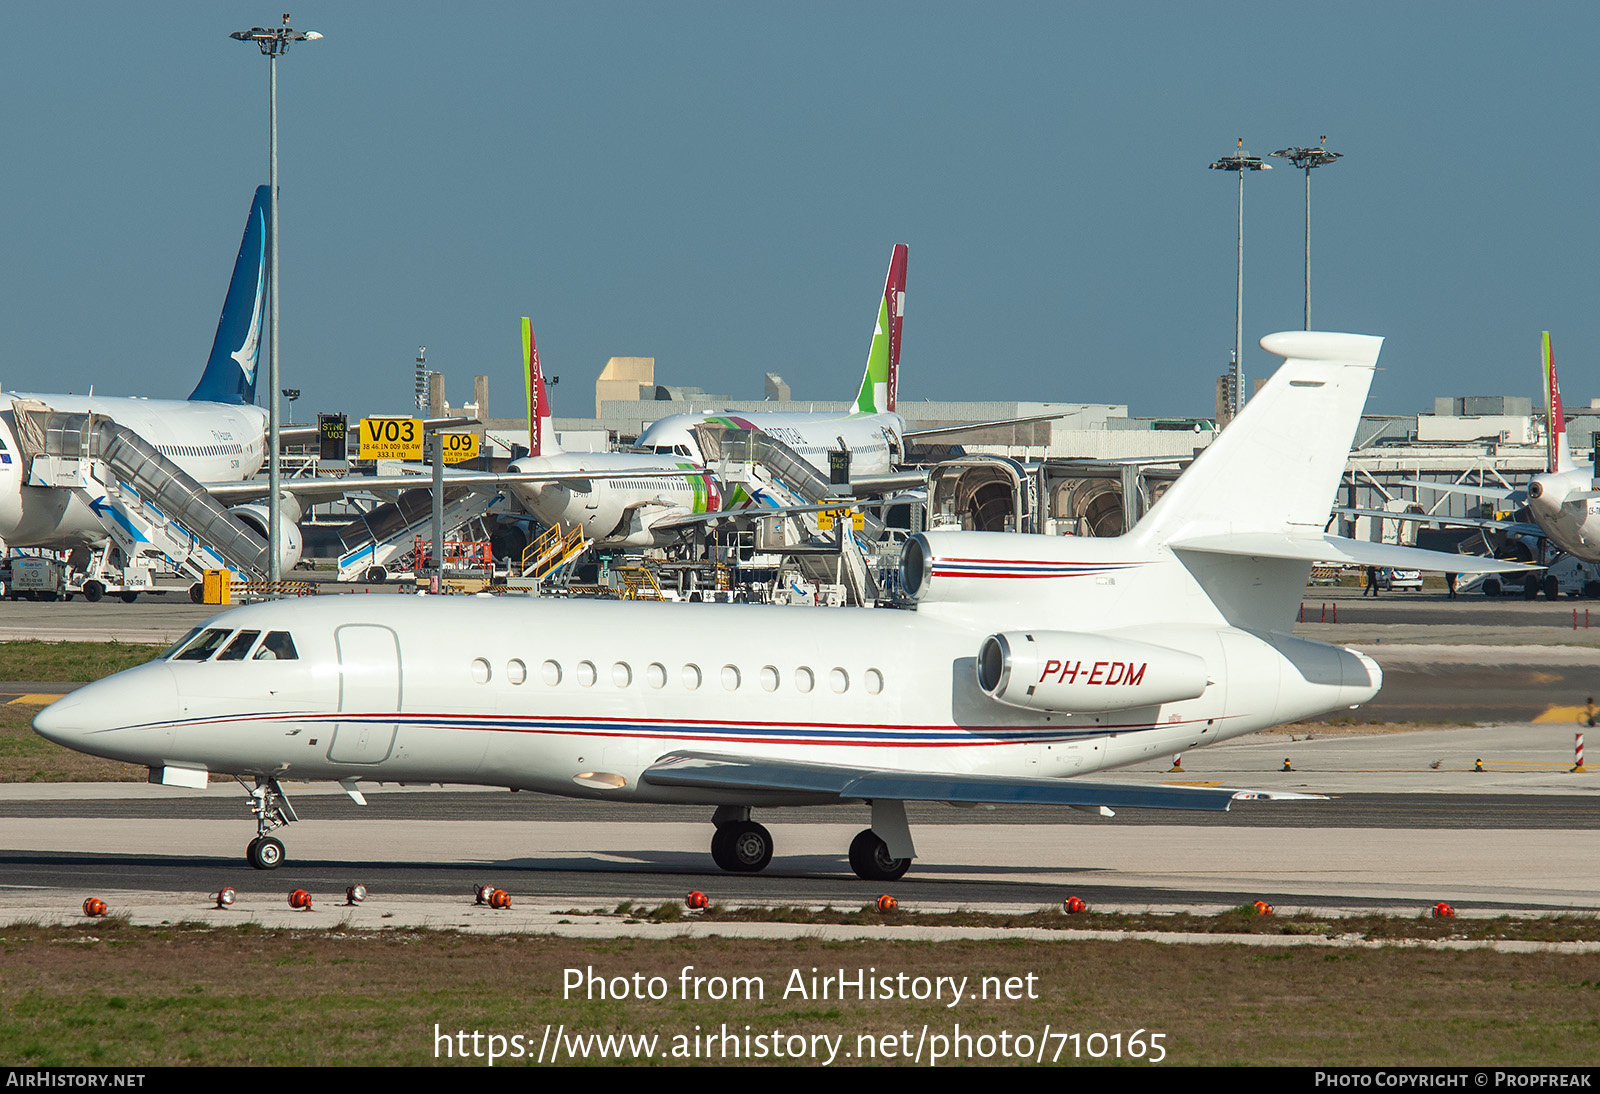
[
  {"x": 741, "y": 846},
  {"x": 272, "y": 809}
]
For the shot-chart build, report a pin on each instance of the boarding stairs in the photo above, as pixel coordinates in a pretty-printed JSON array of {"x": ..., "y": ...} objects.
[
  {"x": 553, "y": 551},
  {"x": 387, "y": 534},
  {"x": 148, "y": 505},
  {"x": 761, "y": 471}
]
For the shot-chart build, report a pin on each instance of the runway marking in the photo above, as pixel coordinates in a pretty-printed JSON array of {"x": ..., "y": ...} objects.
[
  {"x": 34, "y": 699},
  {"x": 1575, "y": 715}
]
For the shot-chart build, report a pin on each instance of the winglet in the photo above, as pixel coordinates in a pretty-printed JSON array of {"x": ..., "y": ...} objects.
[
  {"x": 1560, "y": 449},
  {"x": 230, "y": 375},
  {"x": 541, "y": 437},
  {"x": 880, "y": 385}
]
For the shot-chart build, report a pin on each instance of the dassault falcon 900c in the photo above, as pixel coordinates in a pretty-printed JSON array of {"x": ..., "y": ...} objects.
[{"x": 1024, "y": 660}]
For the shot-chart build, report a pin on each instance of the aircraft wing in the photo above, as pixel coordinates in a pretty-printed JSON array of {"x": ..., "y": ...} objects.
[
  {"x": 1516, "y": 527},
  {"x": 743, "y": 773},
  {"x": 969, "y": 427},
  {"x": 1518, "y": 497},
  {"x": 312, "y": 490},
  {"x": 1339, "y": 549}
]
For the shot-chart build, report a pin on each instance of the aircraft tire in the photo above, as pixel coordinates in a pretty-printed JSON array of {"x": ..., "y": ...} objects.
[
  {"x": 264, "y": 853},
  {"x": 93, "y": 591},
  {"x": 869, "y": 858},
  {"x": 743, "y": 847}
]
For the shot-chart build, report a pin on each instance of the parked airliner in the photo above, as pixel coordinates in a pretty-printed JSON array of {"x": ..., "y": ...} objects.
[
  {"x": 216, "y": 435},
  {"x": 871, "y": 429},
  {"x": 1025, "y": 660}
]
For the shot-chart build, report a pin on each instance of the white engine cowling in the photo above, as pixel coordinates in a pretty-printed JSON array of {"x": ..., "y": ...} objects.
[
  {"x": 1066, "y": 672},
  {"x": 290, "y": 542}
]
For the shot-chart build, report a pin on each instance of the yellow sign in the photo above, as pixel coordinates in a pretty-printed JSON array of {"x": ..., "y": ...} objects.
[
  {"x": 459, "y": 446},
  {"x": 826, "y": 517},
  {"x": 391, "y": 438}
]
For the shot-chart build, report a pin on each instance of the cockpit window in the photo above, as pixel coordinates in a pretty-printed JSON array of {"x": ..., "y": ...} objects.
[
  {"x": 180, "y": 643},
  {"x": 239, "y": 647},
  {"x": 277, "y": 645},
  {"x": 203, "y": 647}
]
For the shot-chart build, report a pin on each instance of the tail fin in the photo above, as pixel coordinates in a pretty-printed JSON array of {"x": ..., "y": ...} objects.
[
  {"x": 1276, "y": 467},
  {"x": 230, "y": 375},
  {"x": 1560, "y": 450},
  {"x": 881, "y": 384},
  {"x": 541, "y": 436}
]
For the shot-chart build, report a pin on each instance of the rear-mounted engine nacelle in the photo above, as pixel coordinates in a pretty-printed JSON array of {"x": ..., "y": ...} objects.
[{"x": 1065, "y": 672}]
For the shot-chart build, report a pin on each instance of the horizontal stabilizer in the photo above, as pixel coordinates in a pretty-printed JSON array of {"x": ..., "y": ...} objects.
[
  {"x": 738, "y": 773},
  {"x": 1517, "y": 527},
  {"x": 1520, "y": 497},
  {"x": 1338, "y": 549}
]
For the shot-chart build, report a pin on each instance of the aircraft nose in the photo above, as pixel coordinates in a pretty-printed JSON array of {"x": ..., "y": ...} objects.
[{"x": 121, "y": 717}]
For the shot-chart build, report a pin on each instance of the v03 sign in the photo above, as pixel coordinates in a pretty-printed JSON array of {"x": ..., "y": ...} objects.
[{"x": 391, "y": 438}]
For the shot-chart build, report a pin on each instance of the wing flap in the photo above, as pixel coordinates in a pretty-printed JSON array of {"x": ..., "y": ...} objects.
[{"x": 719, "y": 772}]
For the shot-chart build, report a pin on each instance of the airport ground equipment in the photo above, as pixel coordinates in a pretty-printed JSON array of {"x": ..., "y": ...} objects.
[
  {"x": 148, "y": 505},
  {"x": 375, "y": 541}
]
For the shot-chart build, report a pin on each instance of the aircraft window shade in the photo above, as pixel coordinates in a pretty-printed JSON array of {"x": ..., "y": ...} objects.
[
  {"x": 516, "y": 671},
  {"x": 769, "y": 678},
  {"x": 203, "y": 647},
  {"x": 730, "y": 678},
  {"x": 621, "y": 674},
  {"x": 691, "y": 677},
  {"x": 277, "y": 645},
  {"x": 239, "y": 647},
  {"x": 803, "y": 678},
  {"x": 180, "y": 643},
  {"x": 551, "y": 670},
  {"x": 586, "y": 674},
  {"x": 874, "y": 681},
  {"x": 839, "y": 681},
  {"x": 656, "y": 675},
  {"x": 480, "y": 670}
]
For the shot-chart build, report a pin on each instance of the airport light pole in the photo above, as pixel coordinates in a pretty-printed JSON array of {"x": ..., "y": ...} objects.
[
  {"x": 1308, "y": 159},
  {"x": 1241, "y": 161},
  {"x": 274, "y": 41}
]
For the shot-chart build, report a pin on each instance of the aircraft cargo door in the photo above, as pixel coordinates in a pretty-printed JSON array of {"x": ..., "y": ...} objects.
[{"x": 369, "y": 686}]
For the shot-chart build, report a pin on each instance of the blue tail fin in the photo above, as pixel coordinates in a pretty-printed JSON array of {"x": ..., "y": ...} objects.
[{"x": 230, "y": 375}]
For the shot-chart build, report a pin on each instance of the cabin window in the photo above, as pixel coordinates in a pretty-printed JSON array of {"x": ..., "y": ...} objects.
[
  {"x": 621, "y": 674},
  {"x": 204, "y": 646},
  {"x": 769, "y": 678},
  {"x": 480, "y": 670},
  {"x": 691, "y": 676},
  {"x": 551, "y": 671},
  {"x": 803, "y": 678},
  {"x": 730, "y": 678},
  {"x": 180, "y": 643},
  {"x": 277, "y": 645},
  {"x": 516, "y": 671},
  {"x": 239, "y": 647},
  {"x": 656, "y": 674},
  {"x": 586, "y": 674},
  {"x": 874, "y": 681},
  {"x": 839, "y": 681}
]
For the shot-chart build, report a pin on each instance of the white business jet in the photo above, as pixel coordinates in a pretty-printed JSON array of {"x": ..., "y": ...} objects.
[{"x": 1025, "y": 660}]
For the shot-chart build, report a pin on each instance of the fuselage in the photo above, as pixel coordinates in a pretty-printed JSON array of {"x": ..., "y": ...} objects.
[
  {"x": 213, "y": 442},
  {"x": 874, "y": 440},
  {"x": 615, "y": 511},
  {"x": 579, "y": 698},
  {"x": 1559, "y": 506}
]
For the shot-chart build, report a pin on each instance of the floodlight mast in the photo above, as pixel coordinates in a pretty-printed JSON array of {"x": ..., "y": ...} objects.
[
  {"x": 1241, "y": 161},
  {"x": 274, "y": 41},
  {"x": 1308, "y": 159}
]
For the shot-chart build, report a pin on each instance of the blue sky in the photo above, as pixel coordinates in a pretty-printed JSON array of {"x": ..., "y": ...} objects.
[{"x": 719, "y": 186}]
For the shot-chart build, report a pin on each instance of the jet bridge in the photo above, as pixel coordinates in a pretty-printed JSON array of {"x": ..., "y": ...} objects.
[
  {"x": 147, "y": 504},
  {"x": 771, "y": 475}
]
